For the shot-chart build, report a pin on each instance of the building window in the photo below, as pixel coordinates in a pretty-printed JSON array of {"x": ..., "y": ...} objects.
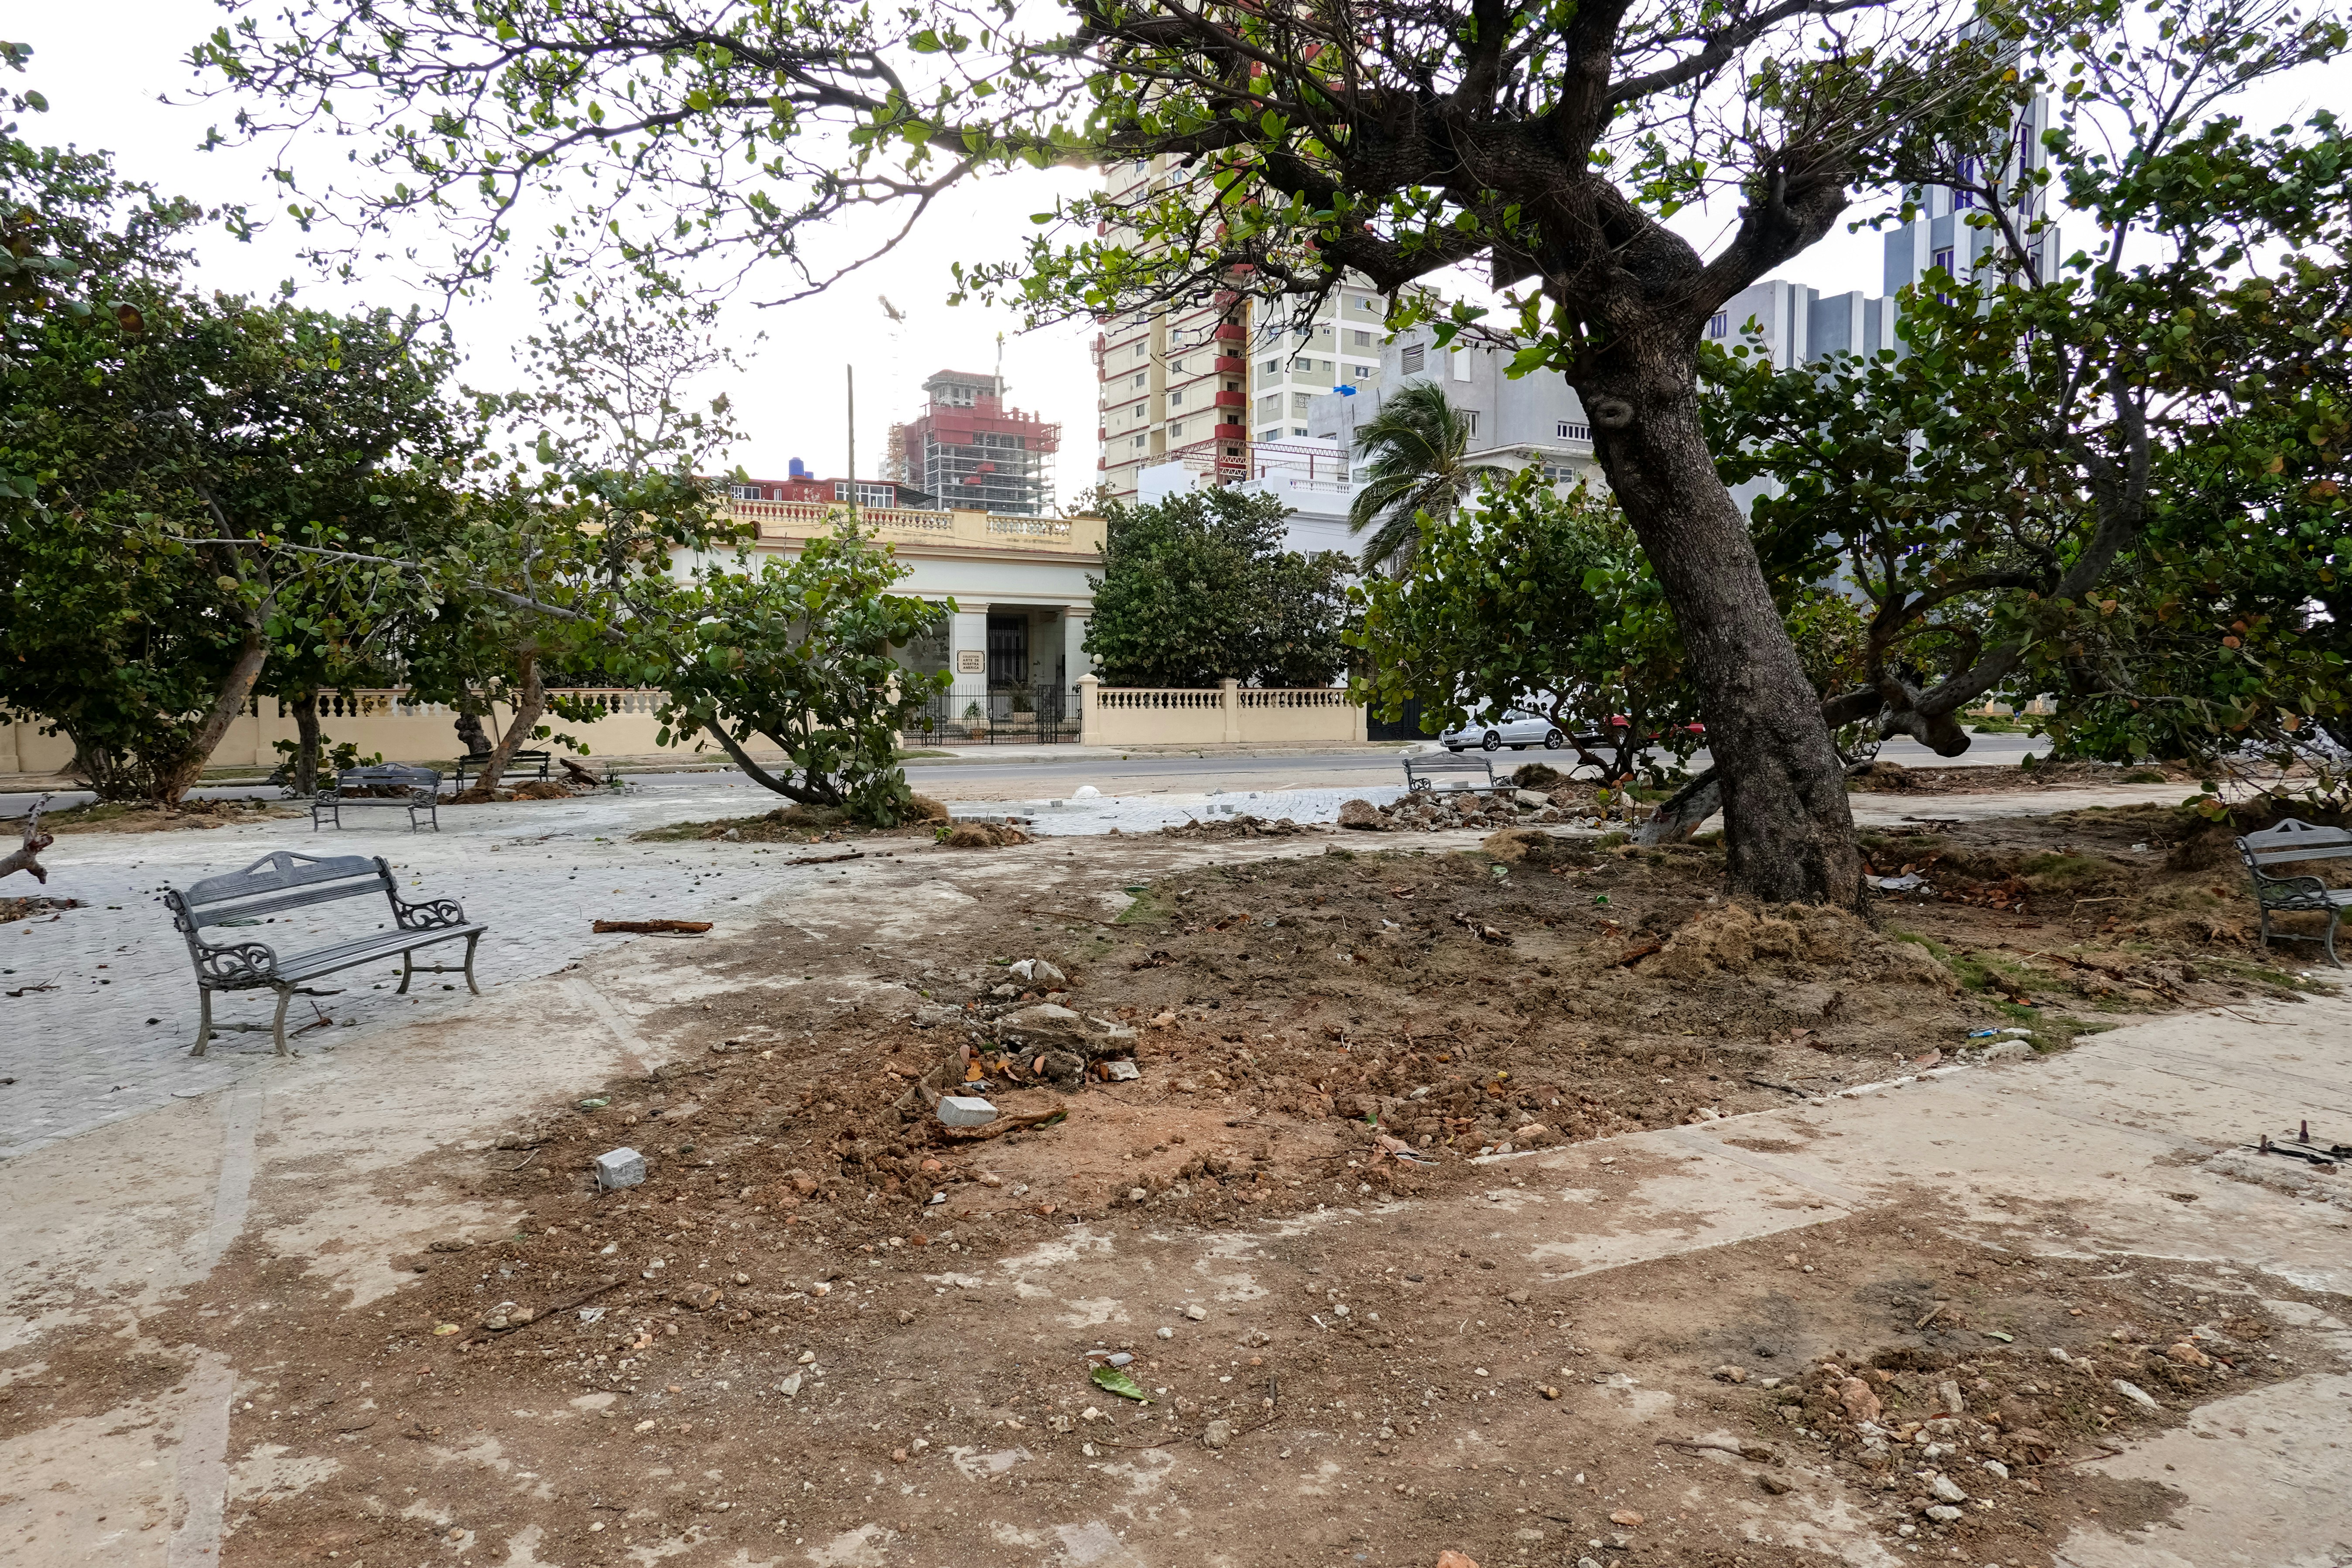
[
  {"x": 1139, "y": 440},
  {"x": 1568, "y": 432},
  {"x": 841, "y": 490},
  {"x": 1176, "y": 397},
  {"x": 1298, "y": 429},
  {"x": 1298, "y": 405},
  {"x": 1141, "y": 377},
  {"x": 1943, "y": 258},
  {"x": 1470, "y": 419},
  {"x": 1413, "y": 358},
  {"x": 1720, "y": 325},
  {"x": 1363, "y": 339},
  {"x": 1274, "y": 367},
  {"x": 744, "y": 492}
]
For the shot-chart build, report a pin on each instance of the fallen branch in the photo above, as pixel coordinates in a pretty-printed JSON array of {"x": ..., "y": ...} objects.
[
  {"x": 826, "y": 860},
  {"x": 1760, "y": 1082},
  {"x": 543, "y": 1313},
  {"x": 27, "y": 856},
  {"x": 998, "y": 1129},
  {"x": 647, "y": 927},
  {"x": 1634, "y": 955}
]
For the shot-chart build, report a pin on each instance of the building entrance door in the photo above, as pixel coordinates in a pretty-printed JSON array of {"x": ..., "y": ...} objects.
[{"x": 1008, "y": 650}]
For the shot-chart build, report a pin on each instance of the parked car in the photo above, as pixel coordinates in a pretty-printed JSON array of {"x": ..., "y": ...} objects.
[{"x": 1511, "y": 726}]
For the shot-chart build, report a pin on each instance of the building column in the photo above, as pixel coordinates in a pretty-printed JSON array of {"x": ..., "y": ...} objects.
[
  {"x": 1075, "y": 657},
  {"x": 1089, "y": 719},
  {"x": 967, "y": 644},
  {"x": 1228, "y": 699}
]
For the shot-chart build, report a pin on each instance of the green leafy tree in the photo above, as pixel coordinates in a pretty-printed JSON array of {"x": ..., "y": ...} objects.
[
  {"x": 1388, "y": 144},
  {"x": 1197, "y": 589},
  {"x": 2066, "y": 478},
  {"x": 800, "y": 655},
  {"x": 1411, "y": 459},
  {"x": 1476, "y": 623}
]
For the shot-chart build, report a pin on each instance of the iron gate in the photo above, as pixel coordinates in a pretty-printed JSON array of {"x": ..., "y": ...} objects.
[{"x": 994, "y": 715}]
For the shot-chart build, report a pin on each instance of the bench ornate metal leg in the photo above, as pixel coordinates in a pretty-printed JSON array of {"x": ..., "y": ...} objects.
[
  {"x": 407, "y": 968},
  {"x": 477, "y": 937},
  {"x": 204, "y": 1020},
  {"x": 277, "y": 1025}
]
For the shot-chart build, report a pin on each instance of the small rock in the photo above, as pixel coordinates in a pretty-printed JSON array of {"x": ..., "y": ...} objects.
[
  {"x": 1137, "y": 1194},
  {"x": 1953, "y": 1402},
  {"x": 619, "y": 1168},
  {"x": 2136, "y": 1394},
  {"x": 2060, "y": 1356},
  {"x": 698, "y": 1297},
  {"x": 1731, "y": 1374},
  {"x": 1550, "y": 1392},
  {"x": 1861, "y": 1404},
  {"x": 1195, "y": 1313},
  {"x": 897, "y": 1456},
  {"x": 905, "y": 1316},
  {"x": 1774, "y": 1484},
  {"x": 1997, "y": 1468},
  {"x": 790, "y": 1385},
  {"x": 808, "y": 1358},
  {"x": 1942, "y": 1513},
  {"x": 1452, "y": 1559},
  {"x": 1122, "y": 1072},
  {"x": 742, "y": 1280},
  {"x": 1529, "y": 799},
  {"x": 1946, "y": 1489},
  {"x": 1360, "y": 813},
  {"x": 2188, "y": 1355},
  {"x": 1090, "y": 1414},
  {"x": 1166, "y": 1333},
  {"x": 1045, "y": 974},
  {"x": 1627, "y": 1517},
  {"x": 965, "y": 1111},
  {"x": 1217, "y": 1434}
]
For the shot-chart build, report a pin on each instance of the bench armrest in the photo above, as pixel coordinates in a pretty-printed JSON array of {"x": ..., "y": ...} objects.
[
  {"x": 2268, "y": 887},
  {"x": 238, "y": 961},
  {"x": 428, "y": 915}
]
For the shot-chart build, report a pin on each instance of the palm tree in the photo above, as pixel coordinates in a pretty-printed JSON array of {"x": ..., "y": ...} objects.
[{"x": 1410, "y": 460}]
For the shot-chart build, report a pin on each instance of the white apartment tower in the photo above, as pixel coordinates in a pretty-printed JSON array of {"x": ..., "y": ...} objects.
[{"x": 1201, "y": 381}]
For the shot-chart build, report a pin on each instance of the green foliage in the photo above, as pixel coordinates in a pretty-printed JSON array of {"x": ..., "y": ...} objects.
[
  {"x": 798, "y": 655},
  {"x": 1479, "y": 621},
  {"x": 2124, "y": 483},
  {"x": 1197, "y": 588},
  {"x": 1410, "y": 459}
]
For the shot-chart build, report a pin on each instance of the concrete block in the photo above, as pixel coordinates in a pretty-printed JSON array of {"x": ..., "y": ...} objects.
[
  {"x": 964, "y": 1110},
  {"x": 620, "y": 1168}
]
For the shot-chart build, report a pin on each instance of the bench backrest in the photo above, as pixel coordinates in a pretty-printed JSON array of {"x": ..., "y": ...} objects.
[
  {"x": 398, "y": 775},
  {"x": 281, "y": 879},
  {"x": 1450, "y": 763},
  {"x": 2295, "y": 840}
]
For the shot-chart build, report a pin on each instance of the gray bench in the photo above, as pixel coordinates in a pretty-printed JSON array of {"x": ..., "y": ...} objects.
[
  {"x": 519, "y": 764},
  {"x": 413, "y": 790},
  {"x": 283, "y": 880},
  {"x": 2290, "y": 841},
  {"x": 1422, "y": 768}
]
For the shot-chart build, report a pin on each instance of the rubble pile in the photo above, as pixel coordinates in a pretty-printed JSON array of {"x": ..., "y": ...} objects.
[{"x": 1432, "y": 811}]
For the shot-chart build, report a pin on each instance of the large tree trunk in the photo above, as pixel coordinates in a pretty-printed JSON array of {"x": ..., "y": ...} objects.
[
  {"x": 1788, "y": 829},
  {"x": 531, "y": 702},
  {"x": 173, "y": 782},
  {"x": 307, "y": 741}
]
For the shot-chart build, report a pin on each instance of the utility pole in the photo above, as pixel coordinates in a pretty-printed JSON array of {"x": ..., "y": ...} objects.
[{"x": 850, "y": 372}]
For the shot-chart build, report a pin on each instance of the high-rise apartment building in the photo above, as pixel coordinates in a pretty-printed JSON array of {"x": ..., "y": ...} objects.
[
  {"x": 967, "y": 450},
  {"x": 1949, "y": 232},
  {"x": 1203, "y": 381}
]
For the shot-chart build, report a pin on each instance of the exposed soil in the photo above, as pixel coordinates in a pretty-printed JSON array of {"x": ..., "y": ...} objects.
[
  {"x": 805, "y": 1335},
  {"x": 24, "y": 909},
  {"x": 120, "y": 817}
]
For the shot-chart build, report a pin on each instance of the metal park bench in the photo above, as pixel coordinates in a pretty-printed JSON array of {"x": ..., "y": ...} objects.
[
  {"x": 413, "y": 790},
  {"x": 283, "y": 879},
  {"x": 517, "y": 765},
  {"x": 2290, "y": 841},
  {"x": 1421, "y": 769}
]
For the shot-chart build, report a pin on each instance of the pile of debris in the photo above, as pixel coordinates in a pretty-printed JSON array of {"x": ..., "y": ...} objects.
[
  {"x": 1430, "y": 811},
  {"x": 1240, "y": 827},
  {"x": 1020, "y": 1035}
]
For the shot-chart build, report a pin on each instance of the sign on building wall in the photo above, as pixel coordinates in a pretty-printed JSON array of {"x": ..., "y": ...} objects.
[{"x": 970, "y": 661}]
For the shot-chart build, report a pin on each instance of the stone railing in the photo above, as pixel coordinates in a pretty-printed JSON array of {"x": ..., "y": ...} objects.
[
  {"x": 1226, "y": 714},
  {"x": 779, "y": 521}
]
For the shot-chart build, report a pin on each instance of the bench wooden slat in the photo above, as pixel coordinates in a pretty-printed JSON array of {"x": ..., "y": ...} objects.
[
  {"x": 382, "y": 944},
  {"x": 2291, "y": 842}
]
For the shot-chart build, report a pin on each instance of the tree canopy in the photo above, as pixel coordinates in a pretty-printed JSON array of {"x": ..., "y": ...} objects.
[{"x": 1197, "y": 589}]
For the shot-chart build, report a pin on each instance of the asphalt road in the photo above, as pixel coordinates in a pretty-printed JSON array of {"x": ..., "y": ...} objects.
[{"x": 984, "y": 774}]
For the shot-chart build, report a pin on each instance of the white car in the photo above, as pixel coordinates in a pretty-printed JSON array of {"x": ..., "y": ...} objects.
[{"x": 1509, "y": 728}]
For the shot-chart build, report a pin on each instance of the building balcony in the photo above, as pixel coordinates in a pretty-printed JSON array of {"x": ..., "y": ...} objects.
[
  {"x": 1230, "y": 364},
  {"x": 1233, "y": 399},
  {"x": 1230, "y": 332},
  {"x": 786, "y": 523}
]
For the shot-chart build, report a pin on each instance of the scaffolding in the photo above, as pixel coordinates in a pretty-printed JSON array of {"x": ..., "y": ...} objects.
[{"x": 971, "y": 451}]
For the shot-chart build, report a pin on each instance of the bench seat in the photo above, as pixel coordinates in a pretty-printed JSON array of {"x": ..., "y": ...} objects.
[{"x": 2290, "y": 842}]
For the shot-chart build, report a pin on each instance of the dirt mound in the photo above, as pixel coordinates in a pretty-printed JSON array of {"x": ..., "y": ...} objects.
[
  {"x": 26, "y": 908},
  {"x": 542, "y": 789},
  {"x": 983, "y": 836},
  {"x": 1242, "y": 827},
  {"x": 1795, "y": 941},
  {"x": 1534, "y": 846}
]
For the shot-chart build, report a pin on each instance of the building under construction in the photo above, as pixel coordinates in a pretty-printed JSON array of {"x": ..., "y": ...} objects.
[{"x": 967, "y": 450}]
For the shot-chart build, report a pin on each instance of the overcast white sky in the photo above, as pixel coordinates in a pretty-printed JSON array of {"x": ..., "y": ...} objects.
[{"x": 104, "y": 67}]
